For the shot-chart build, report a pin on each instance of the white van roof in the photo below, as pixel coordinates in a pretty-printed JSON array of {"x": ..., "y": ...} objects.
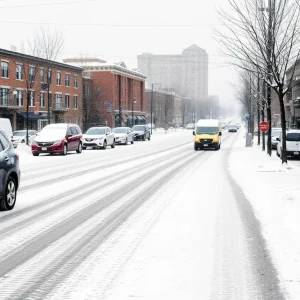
[{"x": 208, "y": 122}]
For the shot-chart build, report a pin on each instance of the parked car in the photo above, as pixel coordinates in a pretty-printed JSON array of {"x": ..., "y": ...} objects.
[
  {"x": 275, "y": 135},
  {"x": 5, "y": 125},
  {"x": 99, "y": 137},
  {"x": 232, "y": 128},
  {"x": 57, "y": 138},
  {"x": 292, "y": 143},
  {"x": 141, "y": 132},
  {"x": 123, "y": 135},
  {"x": 9, "y": 173},
  {"x": 19, "y": 136},
  {"x": 190, "y": 126}
]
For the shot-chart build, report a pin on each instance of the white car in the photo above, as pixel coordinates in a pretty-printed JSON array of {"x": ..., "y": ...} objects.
[
  {"x": 190, "y": 126},
  {"x": 19, "y": 136},
  {"x": 98, "y": 137},
  {"x": 292, "y": 143},
  {"x": 123, "y": 135}
]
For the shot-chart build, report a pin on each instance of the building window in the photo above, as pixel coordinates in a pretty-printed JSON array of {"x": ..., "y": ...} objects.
[
  {"x": 4, "y": 96},
  {"x": 58, "y": 78},
  {"x": 76, "y": 121},
  {"x": 75, "y": 81},
  {"x": 67, "y": 101},
  {"x": 67, "y": 80},
  {"x": 49, "y": 77},
  {"x": 75, "y": 102},
  {"x": 19, "y": 98},
  {"x": 31, "y": 73},
  {"x": 19, "y": 71},
  {"x": 42, "y": 100},
  {"x": 58, "y": 101},
  {"x": 31, "y": 99},
  {"x": 4, "y": 69},
  {"x": 42, "y": 76}
]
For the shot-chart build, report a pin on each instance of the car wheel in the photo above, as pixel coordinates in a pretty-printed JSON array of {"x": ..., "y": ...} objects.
[
  {"x": 35, "y": 154},
  {"x": 149, "y": 137},
  {"x": 104, "y": 145},
  {"x": 10, "y": 196},
  {"x": 79, "y": 150},
  {"x": 195, "y": 147},
  {"x": 83, "y": 148},
  {"x": 113, "y": 144},
  {"x": 132, "y": 141},
  {"x": 65, "y": 150},
  {"x": 126, "y": 142}
]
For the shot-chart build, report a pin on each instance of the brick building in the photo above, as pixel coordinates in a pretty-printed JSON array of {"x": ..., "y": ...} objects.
[
  {"x": 41, "y": 82},
  {"x": 114, "y": 88}
]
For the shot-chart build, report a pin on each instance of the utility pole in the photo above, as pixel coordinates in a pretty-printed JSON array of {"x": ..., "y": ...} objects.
[
  {"x": 151, "y": 108},
  {"x": 258, "y": 110},
  {"x": 120, "y": 107},
  {"x": 48, "y": 92}
]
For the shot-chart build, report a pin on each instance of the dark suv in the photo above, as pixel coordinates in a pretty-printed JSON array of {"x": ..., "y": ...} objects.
[
  {"x": 9, "y": 173},
  {"x": 141, "y": 132},
  {"x": 58, "y": 138}
]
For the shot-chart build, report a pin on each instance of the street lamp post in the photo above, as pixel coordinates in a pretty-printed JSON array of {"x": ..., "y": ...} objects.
[
  {"x": 133, "y": 102},
  {"x": 151, "y": 104}
]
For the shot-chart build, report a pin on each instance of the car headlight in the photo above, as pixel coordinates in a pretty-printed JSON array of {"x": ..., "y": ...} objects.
[
  {"x": 57, "y": 142},
  {"x": 99, "y": 139}
]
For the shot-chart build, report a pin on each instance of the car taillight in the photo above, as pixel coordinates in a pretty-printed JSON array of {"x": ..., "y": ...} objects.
[{"x": 18, "y": 156}]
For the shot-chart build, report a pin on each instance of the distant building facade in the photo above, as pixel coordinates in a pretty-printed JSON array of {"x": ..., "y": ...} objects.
[
  {"x": 114, "y": 88},
  {"x": 41, "y": 81},
  {"x": 185, "y": 73}
]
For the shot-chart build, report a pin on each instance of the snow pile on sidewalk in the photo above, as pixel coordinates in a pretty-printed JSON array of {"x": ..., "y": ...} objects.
[{"x": 273, "y": 190}]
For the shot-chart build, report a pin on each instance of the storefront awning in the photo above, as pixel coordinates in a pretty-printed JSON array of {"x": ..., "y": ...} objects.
[{"x": 31, "y": 115}]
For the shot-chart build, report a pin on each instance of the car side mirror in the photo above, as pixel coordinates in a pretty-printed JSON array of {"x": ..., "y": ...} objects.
[
  {"x": 220, "y": 133},
  {"x": 107, "y": 133},
  {"x": 194, "y": 133},
  {"x": 277, "y": 139}
]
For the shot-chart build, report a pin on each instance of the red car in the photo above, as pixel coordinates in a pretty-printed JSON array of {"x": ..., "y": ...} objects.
[{"x": 58, "y": 138}]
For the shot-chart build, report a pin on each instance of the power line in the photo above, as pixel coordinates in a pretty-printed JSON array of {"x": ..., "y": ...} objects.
[
  {"x": 48, "y": 4},
  {"x": 108, "y": 25}
]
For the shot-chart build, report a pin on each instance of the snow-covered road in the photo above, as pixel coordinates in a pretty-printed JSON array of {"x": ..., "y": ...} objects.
[{"x": 152, "y": 220}]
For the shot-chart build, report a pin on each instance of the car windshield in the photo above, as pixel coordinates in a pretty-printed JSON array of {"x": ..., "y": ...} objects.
[
  {"x": 138, "y": 128},
  {"x": 95, "y": 131},
  {"x": 276, "y": 133},
  {"x": 53, "y": 130},
  {"x": 207, "y": 130},
  {"x": 232, "y": 126},
  {"x": 293, "y": 137},
  {"x": 120, "y": 130},
  {"x": 19, "y": 133}
]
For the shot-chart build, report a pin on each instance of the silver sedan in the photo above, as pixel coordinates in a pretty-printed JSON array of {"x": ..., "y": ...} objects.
[{"x": 123, "y": 135}]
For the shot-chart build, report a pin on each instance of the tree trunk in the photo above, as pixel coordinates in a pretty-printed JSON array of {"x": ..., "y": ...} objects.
[
  {"x": 269, "y": 120},
  {"x": 283, "y": 125}
]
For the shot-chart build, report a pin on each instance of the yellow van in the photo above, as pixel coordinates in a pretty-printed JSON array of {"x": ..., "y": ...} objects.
[{"x": 207, "y": 134}]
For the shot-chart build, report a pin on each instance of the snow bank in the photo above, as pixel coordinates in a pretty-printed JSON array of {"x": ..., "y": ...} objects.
[{"x": 273, "y": 190}]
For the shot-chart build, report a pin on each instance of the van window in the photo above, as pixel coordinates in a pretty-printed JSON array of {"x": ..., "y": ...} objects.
[
  {"x": 5, "y": 143},
  {"x": 293, "y": 137},
  {"x": 207, "y": 130}
]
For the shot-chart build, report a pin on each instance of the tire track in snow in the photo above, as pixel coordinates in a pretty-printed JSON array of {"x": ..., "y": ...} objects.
[{"x": 68, "y": 261}]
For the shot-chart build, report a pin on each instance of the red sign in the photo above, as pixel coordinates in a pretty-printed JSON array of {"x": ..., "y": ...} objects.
[{"x": 264, "y": 126}]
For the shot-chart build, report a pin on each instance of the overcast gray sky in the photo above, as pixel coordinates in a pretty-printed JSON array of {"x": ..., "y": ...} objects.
[{"x": 120, "y": 30}]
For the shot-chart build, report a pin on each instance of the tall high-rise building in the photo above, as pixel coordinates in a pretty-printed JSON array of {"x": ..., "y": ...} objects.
[{"x": 186, "y": 73}]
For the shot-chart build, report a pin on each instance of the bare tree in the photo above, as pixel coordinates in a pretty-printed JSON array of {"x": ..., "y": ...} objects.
[{"x": 267, "y": 40}]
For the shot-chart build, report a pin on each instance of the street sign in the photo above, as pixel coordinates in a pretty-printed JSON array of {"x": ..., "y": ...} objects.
[
  {"x": 247, "y": 117},
  {"x": 264, "y": 126}
]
